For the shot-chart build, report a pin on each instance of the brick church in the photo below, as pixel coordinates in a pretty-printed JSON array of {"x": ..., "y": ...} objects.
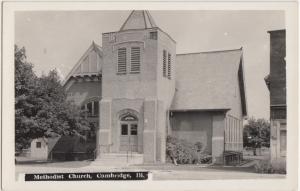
[{"x": 137, "y": 91}]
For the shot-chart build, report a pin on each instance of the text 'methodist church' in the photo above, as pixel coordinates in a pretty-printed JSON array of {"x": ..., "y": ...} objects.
[{"x": 138, "y": 91}]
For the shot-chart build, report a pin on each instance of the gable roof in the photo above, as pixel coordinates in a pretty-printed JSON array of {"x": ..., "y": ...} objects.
[
  {"x": 88, "y": 64},
  {"x": 51, "y": 141},
  {"x": 138, "y": 19},
  {"x": 208, "y": 80},
  {"x": 69, "y": 143}
]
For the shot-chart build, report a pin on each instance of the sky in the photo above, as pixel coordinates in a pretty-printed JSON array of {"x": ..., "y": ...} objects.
[{"x": 57, "y": 39}]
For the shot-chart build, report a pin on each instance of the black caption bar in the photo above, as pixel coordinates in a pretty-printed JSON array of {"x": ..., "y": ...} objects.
[{"x": 87, "y": 176}]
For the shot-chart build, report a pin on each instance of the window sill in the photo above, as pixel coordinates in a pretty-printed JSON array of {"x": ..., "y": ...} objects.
[{"x": 119, "y": 73}]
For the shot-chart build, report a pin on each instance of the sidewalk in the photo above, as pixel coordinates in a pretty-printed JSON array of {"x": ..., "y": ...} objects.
[{"x": 159, "y": 172}]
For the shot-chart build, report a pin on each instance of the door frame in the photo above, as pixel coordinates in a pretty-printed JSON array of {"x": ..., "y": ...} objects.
[{"x": 129, "y": 119}]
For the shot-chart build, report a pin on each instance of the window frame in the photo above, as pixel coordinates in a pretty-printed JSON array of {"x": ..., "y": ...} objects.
[
  {"x": 93, "y": 113},
  {"x": 38, "y": 145},
  {"x": 153, "y": 35},
  {"x": 125, "y": 133},
  {"x": 134, "y": 128}
]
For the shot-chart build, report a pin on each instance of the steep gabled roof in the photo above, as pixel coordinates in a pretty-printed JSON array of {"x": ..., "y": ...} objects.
[
  {"x": 210, "y": 81},
  {"x": 89, "y": 64},
  {"x": 51, "y": 141},
  {"x": 138, "y": 19}
]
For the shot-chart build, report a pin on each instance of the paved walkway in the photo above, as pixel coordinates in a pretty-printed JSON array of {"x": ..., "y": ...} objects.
[{"x": 159, "y": 172}]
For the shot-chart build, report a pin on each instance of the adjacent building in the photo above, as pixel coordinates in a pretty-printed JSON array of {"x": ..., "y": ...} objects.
[
  {"x": 276, "y": 82},
  {"x": 137, "y": 91},
  {"x": 41, "y": 148}
]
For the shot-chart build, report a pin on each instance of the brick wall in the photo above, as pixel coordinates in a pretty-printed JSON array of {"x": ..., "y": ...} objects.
[{"x": 277, "y": 68}]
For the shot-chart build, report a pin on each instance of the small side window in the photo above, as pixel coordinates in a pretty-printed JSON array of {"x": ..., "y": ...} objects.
[
  {"x": 90, "y": 108},
  {"x": 38, "y": 144},
  {"x": 153, "y": 35},
  {"x": 96, "y": 108}
]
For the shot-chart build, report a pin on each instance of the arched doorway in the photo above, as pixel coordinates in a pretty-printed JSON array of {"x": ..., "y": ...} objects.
[{"x": 129, "y": 132}]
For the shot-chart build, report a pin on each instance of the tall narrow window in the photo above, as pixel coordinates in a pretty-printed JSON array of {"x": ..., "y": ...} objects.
[
  {"x": 90, "y": 108},
  {"x": 169, "y": 66},
  {"x": 122, "y": 61},
  {"x": 135, "y": 60},
  {"x": 96, "y": 108},
  {"x": 164, "y": 63}
]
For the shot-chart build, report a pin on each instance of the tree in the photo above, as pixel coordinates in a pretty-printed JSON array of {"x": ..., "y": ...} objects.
[
  {"x": 256, "y": 134},
  {"x": 41, "y": 106}
]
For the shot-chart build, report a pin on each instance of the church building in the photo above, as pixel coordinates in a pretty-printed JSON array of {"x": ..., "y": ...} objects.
[
  {"x": 137, "y": 91},
  {"x": 276, "y": 83}
]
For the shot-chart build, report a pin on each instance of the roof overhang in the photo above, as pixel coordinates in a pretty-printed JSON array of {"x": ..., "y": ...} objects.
[
  {"x": 242, "y": 86},
  {"x": 88, "y": 77}
]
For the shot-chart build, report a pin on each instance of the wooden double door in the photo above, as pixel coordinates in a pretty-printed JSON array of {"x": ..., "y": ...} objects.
[{"x": 129, "y": 136}]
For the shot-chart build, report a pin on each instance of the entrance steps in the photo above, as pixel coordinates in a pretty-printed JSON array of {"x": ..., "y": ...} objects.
[{"x": 118, "y": 159}]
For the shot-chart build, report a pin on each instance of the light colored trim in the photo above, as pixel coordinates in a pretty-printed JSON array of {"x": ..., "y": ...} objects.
[
  {"x": 104, "y": 130},
  {"x": 217, "y": 138},
  {"x": 149, "y": 131},
  {"x": 212, "y": 51},
  {"x": 278, "y": 105},
  {"x": 130, "y": 41},
  {"x": 153, "y": 28},
  {"x": 86, "y": 53},
  {"x": 69, "y": 84}
]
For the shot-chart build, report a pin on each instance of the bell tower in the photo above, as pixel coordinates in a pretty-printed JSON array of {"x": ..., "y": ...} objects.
[{"x": 138, "y": 74}]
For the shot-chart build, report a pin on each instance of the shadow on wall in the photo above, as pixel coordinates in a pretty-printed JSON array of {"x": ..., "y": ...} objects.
[{"x": 72, "y": 147}]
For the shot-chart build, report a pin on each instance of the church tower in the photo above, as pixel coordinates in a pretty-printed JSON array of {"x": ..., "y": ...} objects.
[{"x": 138, "y": 85}]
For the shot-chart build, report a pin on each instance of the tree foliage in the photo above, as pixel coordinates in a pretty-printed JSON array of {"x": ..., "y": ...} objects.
[
  {"x": 256, "y": 133},
  {"x": 41, "y": 106}
]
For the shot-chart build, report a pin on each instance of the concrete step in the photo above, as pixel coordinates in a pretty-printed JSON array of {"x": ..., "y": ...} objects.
[{"x": 119, "y": 159}]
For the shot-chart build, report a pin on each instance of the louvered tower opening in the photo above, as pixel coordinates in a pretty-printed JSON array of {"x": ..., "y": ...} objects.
[
  {"x": 135, "y": 59},
  {"x": 122, "y": 61},
  {"x": 164, "y": 63}
]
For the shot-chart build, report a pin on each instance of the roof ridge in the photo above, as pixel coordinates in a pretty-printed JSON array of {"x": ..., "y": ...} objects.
[
  {"x": 138, "y": 19},
  {"x": 213, "y": 51}
]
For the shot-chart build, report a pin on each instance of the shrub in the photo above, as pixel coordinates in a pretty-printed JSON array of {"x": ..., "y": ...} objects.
[
  {"x": 265, "y": 166},
  {"x": 182, "y": 152}
]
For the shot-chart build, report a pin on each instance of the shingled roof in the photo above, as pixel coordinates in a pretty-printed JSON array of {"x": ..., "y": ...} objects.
[
  {"x": 138, "y": 19},
  {"x": 209, "y": 81}
]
